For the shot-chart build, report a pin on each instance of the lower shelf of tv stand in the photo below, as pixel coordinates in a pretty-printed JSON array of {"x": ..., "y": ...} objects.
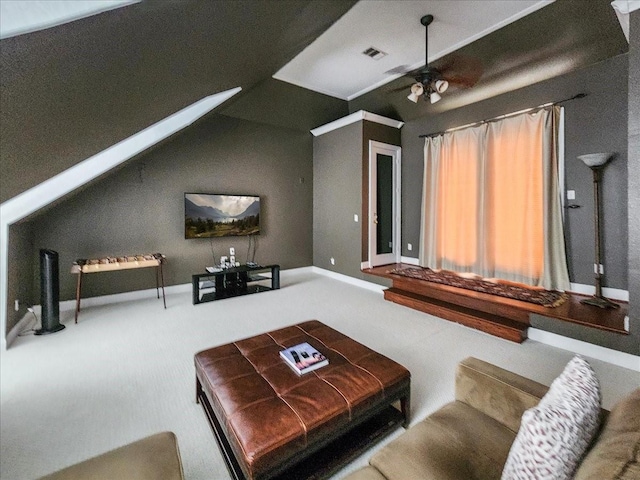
[
  {"x": 211, "y": 296},
  {"x": 233, "y": 282}
]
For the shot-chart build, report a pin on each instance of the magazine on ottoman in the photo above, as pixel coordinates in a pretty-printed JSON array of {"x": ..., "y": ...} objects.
[{"x": 303, "y": 358}]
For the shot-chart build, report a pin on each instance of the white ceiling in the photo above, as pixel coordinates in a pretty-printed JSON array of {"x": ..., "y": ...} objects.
[
  {"x": 334, "y": 64},
  {"x": 20, "y": 16}
]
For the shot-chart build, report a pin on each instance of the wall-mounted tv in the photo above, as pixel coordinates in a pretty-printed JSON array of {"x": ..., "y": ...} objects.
[{"x": 209, "y": 215}]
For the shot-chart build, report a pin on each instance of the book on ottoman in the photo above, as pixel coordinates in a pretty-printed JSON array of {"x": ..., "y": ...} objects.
[{"x": 303, "y": 358}]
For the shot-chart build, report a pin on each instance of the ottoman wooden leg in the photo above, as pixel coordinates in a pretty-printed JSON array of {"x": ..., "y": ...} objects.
[
  {"x": 405, "y": 407},
  {"x": 198, "y": 390}
]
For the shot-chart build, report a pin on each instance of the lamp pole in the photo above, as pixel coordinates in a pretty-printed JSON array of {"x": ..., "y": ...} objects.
[{"x": 598, "y": 299}]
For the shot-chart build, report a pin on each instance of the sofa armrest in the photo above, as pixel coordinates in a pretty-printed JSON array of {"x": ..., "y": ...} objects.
[
  {"x": 153, "y": 458},
  {"x": 498, "y": 393}
]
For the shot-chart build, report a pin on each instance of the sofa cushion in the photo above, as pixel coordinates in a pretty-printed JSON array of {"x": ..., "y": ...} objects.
[
  {"x": 616, "y": 453},
  {"x": 554, "y": 435},
  {"x": 366, "y": 473},
  {"x": 456, "y": 442}
]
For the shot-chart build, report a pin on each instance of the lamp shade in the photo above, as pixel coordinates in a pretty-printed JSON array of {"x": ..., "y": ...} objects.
[
  {"x": 441, "y": 86},
  {"x": 592, "y": 160},
  {"x": 416, "y": 90}
]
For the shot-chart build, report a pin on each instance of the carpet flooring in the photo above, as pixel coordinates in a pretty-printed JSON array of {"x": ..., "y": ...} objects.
[{"x": 126, "y": 369}]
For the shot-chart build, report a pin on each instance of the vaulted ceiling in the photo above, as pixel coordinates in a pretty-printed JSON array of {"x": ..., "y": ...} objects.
[{"x": 73, "y": 90}]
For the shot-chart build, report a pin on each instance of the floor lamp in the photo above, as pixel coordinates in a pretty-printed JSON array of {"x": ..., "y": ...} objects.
[{"x": 596, "y": 162}]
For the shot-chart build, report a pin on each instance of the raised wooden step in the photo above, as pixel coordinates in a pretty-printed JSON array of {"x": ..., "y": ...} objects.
[
  {"x": 610, "y": 320},
  {"x": 493, "y": 324}
]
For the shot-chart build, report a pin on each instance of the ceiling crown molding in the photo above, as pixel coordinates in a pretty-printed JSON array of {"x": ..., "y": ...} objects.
[{"x": 353, "y": 118}]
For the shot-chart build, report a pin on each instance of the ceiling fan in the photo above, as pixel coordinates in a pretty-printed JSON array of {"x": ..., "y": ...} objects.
[{"x": 430, "y": 81}]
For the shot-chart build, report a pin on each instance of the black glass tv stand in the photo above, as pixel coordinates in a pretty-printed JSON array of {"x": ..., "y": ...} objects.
[{"x": 233, "y": 282}]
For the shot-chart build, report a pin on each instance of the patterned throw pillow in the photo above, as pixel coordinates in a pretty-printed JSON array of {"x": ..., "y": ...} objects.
[{"x": 554, "y": 435}]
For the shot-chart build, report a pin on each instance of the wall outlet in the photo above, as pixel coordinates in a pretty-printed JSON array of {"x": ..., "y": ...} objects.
[
  {"x": 409, "y": 247},
  {"x": 571, "y": 194},
  {"x": 232, "y": 252},
  {"x": 16, "y": 305},
  {"x": 333, "y": 261},
  {"x": 355, "y": 217}
]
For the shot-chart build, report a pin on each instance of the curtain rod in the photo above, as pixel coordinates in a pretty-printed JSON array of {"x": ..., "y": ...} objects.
[{"x": 499, "y": 117}]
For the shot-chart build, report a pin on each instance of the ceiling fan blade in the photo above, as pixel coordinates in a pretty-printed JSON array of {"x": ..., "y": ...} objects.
[
  {"x": 399, "y": 89},
  {"x": 460, "y": 70}
]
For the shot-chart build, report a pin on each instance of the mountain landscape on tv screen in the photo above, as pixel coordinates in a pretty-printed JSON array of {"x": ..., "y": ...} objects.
[{"x": 205, "y": 221}]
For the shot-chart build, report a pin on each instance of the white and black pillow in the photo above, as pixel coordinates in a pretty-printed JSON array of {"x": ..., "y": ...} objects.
[{"x": 554, "y": 435}]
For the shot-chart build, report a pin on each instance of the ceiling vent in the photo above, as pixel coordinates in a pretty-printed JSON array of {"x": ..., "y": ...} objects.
[{"x": 374, "y": 53}]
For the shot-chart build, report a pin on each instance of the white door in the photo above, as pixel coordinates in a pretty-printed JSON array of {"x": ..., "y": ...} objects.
[{"x": 384, "y": 203}]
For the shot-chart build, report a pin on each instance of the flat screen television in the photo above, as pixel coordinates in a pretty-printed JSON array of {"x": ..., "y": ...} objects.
[{"x": 209, "y": 215}]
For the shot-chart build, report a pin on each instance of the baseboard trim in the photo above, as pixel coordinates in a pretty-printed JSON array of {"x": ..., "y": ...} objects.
[
  {"x": 612, "y": 293},
  {"x": 123, "y": 297},
  {"x": 19, "y": 327},
  {"x": 70, "y": 305},
  {"x": 410, "y": 260},
  {"x": 347, "y": 279},
  {"x": 615, "y": 357}
]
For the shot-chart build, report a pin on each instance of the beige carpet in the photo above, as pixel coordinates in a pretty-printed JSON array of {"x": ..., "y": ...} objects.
[{"x": 126, "y": 369}]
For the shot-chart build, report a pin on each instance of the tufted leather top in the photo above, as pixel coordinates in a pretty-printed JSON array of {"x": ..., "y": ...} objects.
[{"x": 270, "y": 414}]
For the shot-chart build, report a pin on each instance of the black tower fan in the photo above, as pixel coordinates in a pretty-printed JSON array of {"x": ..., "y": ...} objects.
[{"x": 49, "y": 293}]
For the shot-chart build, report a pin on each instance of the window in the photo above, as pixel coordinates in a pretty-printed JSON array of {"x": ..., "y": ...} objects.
[{"x": 491, "y": 201}]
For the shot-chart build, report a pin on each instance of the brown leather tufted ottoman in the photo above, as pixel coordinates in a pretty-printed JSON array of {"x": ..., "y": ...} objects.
[{"x": 267, "y": 418}]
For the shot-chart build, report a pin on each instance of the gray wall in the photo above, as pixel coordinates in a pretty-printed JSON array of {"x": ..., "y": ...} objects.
[
  {"x": 337, "y": 196},
  {"x": 140, "y": 209},
  {"x": 340, "y": 168},
  {"x": 634, "y": 176},
  {"x": 596, "y": 123},
  {"x": 22, "y": 263}
]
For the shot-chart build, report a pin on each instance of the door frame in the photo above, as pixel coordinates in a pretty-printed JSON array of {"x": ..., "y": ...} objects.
[{"x": 395, "y": 151}]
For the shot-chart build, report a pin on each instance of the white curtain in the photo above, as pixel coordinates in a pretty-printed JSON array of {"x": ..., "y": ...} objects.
[{"x": 491, "y": 201}]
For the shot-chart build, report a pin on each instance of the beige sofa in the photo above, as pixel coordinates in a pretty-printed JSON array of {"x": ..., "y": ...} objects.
[
  {"x": 470, "y": 438},
  {"x": 153, "y": 458}
]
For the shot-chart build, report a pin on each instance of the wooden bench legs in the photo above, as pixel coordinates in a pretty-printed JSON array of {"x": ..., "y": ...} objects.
[{"x": 159, "y": 284}]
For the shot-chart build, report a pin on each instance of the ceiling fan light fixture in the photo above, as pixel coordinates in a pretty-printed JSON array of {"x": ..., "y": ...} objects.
[
  {"x": 416, "y": 90},
  {"x": 434, "y": 97},
  {"x": 441, "y": 86}
]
